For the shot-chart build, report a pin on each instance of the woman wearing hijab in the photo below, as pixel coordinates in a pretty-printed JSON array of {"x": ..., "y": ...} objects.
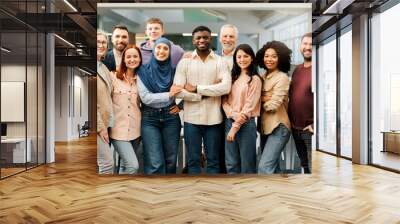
[{"x": 161, "y": 125}]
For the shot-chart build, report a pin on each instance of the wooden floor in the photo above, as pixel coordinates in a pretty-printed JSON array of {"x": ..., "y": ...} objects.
[{"x": 70, "y": 191}]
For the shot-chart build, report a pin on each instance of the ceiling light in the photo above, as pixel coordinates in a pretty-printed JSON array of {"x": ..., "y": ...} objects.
[
  {"x": 214, "y": 13},
  {"x": 338, "y": 6},
  {"x": 65, "y": 41},
  {"x": 70, "y": 5},
  {"x": 84, "y": 71},
  {"x": 5, "y": 49}
]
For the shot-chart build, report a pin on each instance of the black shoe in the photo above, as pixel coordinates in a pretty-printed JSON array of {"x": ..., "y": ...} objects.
[
  {"x": 185, "y": 169},
  {"x": 307, "y": 170}
]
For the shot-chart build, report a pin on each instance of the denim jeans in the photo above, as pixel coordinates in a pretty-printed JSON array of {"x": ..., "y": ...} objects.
[
  {"x": 105, "y": 159},
  {"x": 275, "y": 144},
  {"x": 160, "y": 134},
  {"x": 210, "y": 135},
  {"x": 126, "y": 150},
  {"x": 240, "y": 155}
]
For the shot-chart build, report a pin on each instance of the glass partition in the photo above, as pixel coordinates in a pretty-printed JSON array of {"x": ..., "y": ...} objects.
[
  {"x": 22, "y": 88},
  {"x": 346, "y": 93},
  {"x": 326, "y": 96},
  {"x": 385, "y": 89}
]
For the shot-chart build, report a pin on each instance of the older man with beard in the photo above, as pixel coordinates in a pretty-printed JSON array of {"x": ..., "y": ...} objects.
[
  {"x": 228, "y": 38},
  {"x": 301, "y": 104},
  {"x": 120, "y": 40}
]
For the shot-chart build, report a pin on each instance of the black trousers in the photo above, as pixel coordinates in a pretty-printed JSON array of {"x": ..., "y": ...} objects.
[{"x": 302, "y": 140}]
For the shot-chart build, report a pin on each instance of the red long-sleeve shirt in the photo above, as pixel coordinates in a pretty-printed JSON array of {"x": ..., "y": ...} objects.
[{"x": 301, "y": 103}]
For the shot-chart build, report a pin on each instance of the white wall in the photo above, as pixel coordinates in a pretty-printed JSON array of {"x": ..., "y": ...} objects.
[
  {"x": 12, "y": 73},
  {"x": 69, "y": 82}
]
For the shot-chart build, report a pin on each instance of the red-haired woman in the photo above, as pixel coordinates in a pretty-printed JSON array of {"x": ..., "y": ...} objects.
[{"x": 125, "y": 134}]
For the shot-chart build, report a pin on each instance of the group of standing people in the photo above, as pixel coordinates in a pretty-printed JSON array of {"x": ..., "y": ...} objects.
[{"x": 222, "y": 95}]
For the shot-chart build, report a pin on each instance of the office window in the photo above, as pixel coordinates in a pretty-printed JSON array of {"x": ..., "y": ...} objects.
[
  {"x": 326, "y": 78},
  {"x": 385, "y": 89},
  {"x": 22, "y": 91},
  {"x": 346, "y": 93}
]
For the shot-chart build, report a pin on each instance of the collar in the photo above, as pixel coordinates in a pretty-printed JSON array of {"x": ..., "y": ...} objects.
[
  {"x": 272, "y": 74},
  {"x": 226, "y": 55},
  {"x": 211, "y": 55}
]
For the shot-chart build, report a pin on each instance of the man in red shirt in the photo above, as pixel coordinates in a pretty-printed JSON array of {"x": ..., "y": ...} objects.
[{"x": 301, "y": 104}]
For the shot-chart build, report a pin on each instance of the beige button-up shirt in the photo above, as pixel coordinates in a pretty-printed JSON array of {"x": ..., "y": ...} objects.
[
  {"x": 127, "y": 114},
  {"x": 105, "y": 115},
  {"x": 274, "y": 111},
  {"x": 212, "y": 79}
]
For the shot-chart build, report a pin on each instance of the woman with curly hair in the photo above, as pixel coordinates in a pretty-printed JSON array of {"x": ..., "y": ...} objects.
[{"x": 275, "y": 58}]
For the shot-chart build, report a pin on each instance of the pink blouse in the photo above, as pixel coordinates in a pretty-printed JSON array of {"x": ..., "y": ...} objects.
[
  {"x": 245, "y": 99},
  {"x": 127, "y": 114}
]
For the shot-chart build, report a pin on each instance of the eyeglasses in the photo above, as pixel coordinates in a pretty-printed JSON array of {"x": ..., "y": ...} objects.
[{"x": 102, "y": 42}]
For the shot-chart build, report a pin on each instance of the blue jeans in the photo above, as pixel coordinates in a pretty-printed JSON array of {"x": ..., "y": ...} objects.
[
  {"x": 240, "y": 155},
  {"x": 126, "y": 150},
  {"x": 194, "y": 136},
  {"x": 160, "y": 134},
  {"x": 275, "y": 144},
  {"x": 105, "y": 159}
]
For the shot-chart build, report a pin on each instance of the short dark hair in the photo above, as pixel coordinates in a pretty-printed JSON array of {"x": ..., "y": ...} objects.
[
  {"x": 306, "y": 35},
  {"x": 200, "y": 29},
  {"x": 284, "y": 55},
  {"x": 251, "y": 70},
  {"x": 121, "y": 27}
]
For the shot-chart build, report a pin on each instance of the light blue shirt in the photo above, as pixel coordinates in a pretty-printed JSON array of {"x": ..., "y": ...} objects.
[{"x": 154, "y": 100}]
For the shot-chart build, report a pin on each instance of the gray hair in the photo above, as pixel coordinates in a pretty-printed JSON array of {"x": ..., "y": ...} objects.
[
  {"x": 230, "y": 26},
  {"x": 102, "y": 33}
]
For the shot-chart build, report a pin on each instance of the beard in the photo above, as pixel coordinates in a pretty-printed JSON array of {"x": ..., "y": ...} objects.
[
  {"x": 306, "y": 58},
  {"x": 228, "y": 47},
  {"x": 121, "y": 46}
]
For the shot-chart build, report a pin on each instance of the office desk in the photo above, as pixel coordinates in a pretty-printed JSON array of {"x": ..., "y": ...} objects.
[
  {"x": 13, "y": 150},
  {"x": 391, "y": 141}
]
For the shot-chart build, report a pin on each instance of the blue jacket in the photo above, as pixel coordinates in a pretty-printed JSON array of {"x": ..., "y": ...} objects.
[{"x": 109, "y": 61}]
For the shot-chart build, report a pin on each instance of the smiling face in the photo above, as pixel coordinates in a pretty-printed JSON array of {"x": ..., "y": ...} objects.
[
  {"x": 271, "y": 59},
  {"x": 161, "y": 52},
  {"x": 243, "y": 59},
  {"x": 132, "y": 58},
  {"x": 120, "y": 39},
  {"x": 306, "y": 48},
  {"x": 101, "y": 45},
  {"x": 154, "y": 31},
  {"x": 201, "y": 40},
  {"x": 228, "y": 39}
]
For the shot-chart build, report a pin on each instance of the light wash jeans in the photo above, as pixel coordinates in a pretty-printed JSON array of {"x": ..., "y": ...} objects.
[
  {"x": 240, "y": 155},
  {"x": 275, "y": 144},
  {"x": 105, "y": 160},
  {"x": 126, "y": 150}
]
